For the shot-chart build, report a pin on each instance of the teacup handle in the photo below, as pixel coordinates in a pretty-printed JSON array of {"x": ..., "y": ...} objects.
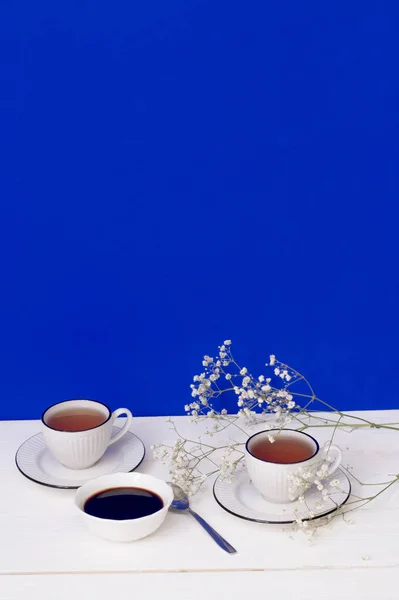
[
  {"x": 328, "y": 449},
  {"x": 115, "y": 415}
]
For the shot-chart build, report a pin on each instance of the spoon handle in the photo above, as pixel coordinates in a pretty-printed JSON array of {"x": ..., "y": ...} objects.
[{"x": 214, "y": 534}]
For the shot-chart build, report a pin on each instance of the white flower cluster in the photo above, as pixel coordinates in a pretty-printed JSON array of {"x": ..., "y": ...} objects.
[
  {"x": 180, "y": 461},
  {"x": 305, "y": 477},
  {"x": 255, "y": 397}
]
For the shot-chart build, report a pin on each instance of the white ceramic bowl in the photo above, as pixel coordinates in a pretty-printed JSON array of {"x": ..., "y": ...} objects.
[{"x": 129, "y": 529}]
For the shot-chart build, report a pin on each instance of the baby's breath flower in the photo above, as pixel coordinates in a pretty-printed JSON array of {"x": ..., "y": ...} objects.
[{"x": 257, "y": 401}]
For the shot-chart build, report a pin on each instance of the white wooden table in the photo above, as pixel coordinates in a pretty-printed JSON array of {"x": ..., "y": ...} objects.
[{"x": 46, "y": 552}]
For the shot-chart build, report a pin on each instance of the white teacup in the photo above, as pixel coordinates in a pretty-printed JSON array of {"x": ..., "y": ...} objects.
[
  {"x": 282, "y": 482},
  {"x": 80, "y": 449}
]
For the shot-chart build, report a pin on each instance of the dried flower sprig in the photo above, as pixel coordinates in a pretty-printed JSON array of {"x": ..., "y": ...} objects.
[{"x": 271, "y": 399}]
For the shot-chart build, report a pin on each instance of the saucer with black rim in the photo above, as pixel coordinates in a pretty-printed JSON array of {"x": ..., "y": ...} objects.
[
  {"x": 36, "y": 462},
  {"x": 241, "y": 499}
]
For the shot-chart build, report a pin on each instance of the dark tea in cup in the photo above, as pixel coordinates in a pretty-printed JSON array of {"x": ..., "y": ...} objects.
[
  {"x": 76, "y": 420},
  {"x": 283, "y": 450}
]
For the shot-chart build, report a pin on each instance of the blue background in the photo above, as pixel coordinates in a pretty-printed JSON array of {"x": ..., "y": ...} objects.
[{"x": 176, "y": 173}]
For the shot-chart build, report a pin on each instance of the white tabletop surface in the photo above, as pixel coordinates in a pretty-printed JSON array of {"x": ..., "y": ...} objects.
[{"x": 46, "y": 552}]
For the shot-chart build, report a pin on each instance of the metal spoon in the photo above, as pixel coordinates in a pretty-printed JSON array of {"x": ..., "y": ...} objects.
[{"x": 181, "y": 504}]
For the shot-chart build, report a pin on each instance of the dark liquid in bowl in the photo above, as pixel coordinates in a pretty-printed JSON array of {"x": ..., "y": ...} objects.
[
  {"x": 282, "y": 450},
  {"x": 77, "y": 420},
  {"x": 123, "y": 503}
]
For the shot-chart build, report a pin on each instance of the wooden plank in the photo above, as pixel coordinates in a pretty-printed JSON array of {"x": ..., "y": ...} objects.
[
  {"x": 42, "y": 533},
  {"x": 325, "y": 584}
]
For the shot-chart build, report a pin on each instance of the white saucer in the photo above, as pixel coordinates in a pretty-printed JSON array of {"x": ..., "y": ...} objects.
[
  {"x": 240, "y": 498},
  {"x": 36, "y": 462}
]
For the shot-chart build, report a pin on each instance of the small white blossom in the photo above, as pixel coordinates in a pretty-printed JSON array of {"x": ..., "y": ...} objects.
[
  {"x": 261, "y": 378},
  {"x": 228, "y": 376},
  {"x": 222, "y": 354},
  {"x": 277, "y": 371},
  {"x": 227, "y": 342},
  {"x": 223, "y": 411},
  {"x": 271, "y": 439},
  {"x": 272, "y": 360},
  {"x": 244, "y": 371}
]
